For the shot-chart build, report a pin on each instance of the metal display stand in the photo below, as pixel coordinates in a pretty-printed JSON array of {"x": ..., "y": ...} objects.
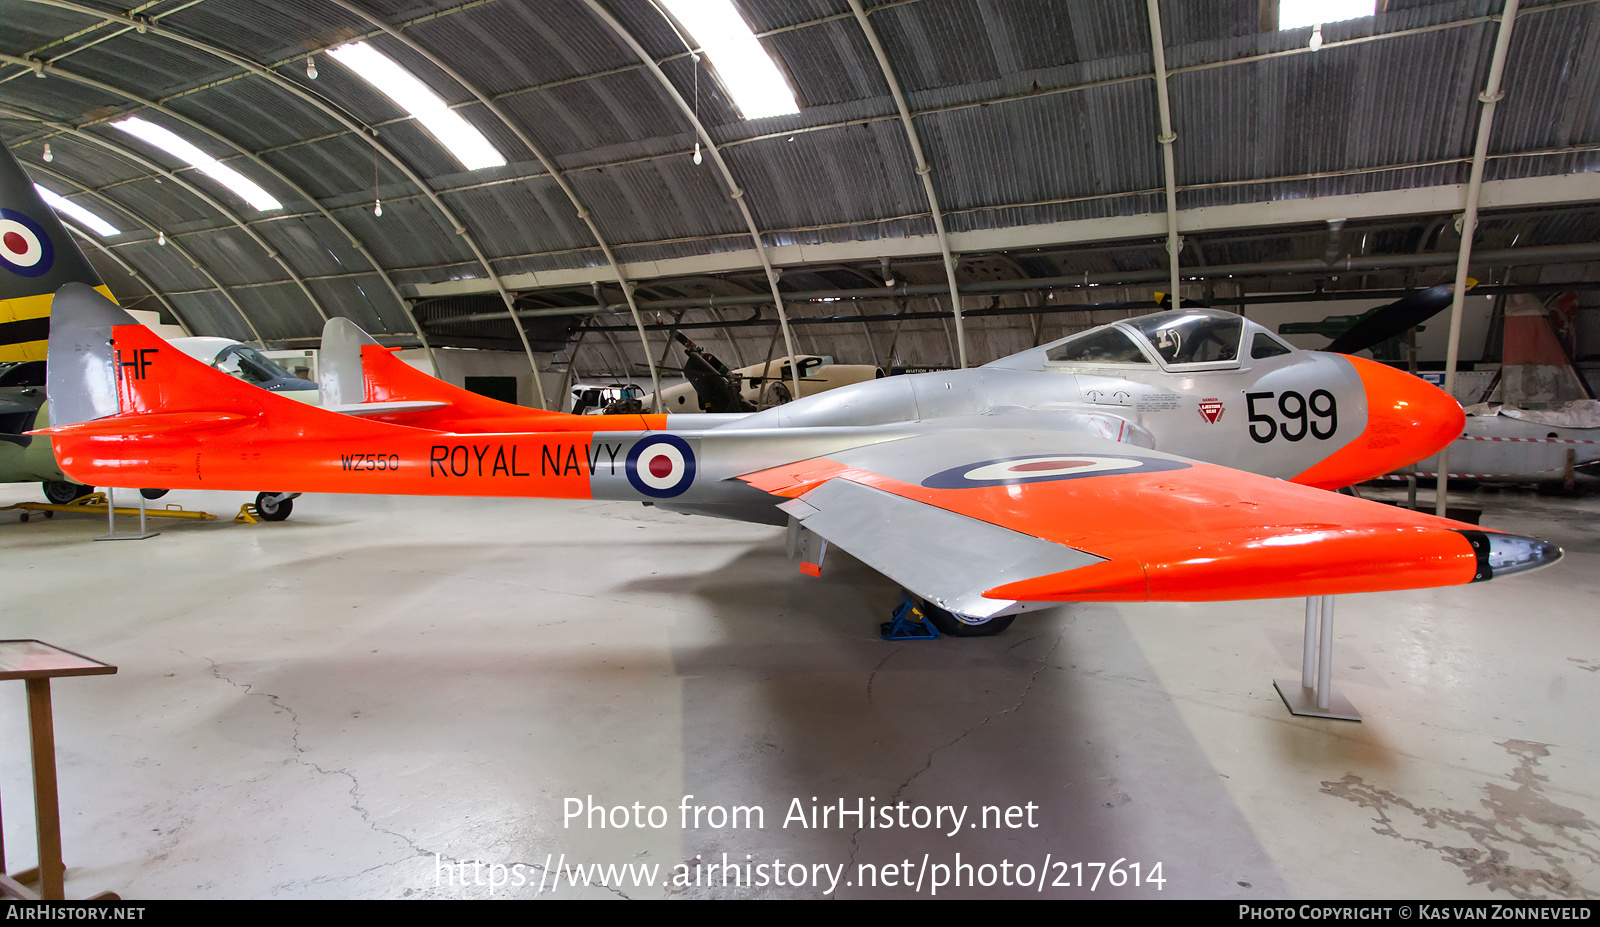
[
  {"x": 111, "y": 521},
  {"x": 36, "y": 662},
  {"x": 1315, "y": 696}
]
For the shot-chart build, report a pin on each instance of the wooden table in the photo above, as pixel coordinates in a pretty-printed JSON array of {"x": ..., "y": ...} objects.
[{"x": 36, "y": 662}]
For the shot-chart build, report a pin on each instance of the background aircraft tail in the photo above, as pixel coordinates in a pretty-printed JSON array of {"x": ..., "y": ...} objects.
[
  {"x": 356, "y": 370},
  {"x": 37, "y": 257}
]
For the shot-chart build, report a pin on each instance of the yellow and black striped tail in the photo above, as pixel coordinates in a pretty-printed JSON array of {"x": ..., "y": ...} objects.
[{"x": 37, "y": 257}]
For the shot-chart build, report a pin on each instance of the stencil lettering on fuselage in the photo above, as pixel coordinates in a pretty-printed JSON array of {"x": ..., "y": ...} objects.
[{"x": 554, "y": 459}]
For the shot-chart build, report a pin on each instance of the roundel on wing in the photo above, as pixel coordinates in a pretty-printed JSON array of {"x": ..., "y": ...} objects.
[
  {"x": 25, "y": 248},
  {"x": 660, "y": 466},
  {"x": 1009, "y": 471}
]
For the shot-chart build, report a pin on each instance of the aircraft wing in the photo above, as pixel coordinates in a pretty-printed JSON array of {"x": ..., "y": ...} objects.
[{"x": 980, "y": 520}]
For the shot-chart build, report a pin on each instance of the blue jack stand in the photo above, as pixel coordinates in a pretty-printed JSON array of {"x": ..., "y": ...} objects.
[{"x": 909, "y": 624}]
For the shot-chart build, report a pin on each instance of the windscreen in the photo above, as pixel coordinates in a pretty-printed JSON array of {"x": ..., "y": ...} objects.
[
  {"x": 250, "y": 365},
  {"x": 1188, "y": 337},
  {"x": 1106, "y": 346}
]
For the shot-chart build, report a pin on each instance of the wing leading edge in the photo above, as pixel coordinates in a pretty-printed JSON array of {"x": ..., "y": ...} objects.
[{"x": 983, "y": 522}]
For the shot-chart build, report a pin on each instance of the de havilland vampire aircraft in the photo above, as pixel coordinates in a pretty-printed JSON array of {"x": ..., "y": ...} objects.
[{"x": 1181, "y": 456}]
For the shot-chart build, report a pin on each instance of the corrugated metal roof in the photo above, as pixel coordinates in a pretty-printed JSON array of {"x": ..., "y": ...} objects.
[
  {"x": 1006, "y": 147},
  {"x": 510, "y": 45},
  {"x": 254, "y": 113},
  {"x": 1393, "y": 102},
  {"x": 659, "y": 199},
  {"x": 1100, "y": 140},
  {"x": 1552, "y": 80},
  {"x": 232, "y": 257},
  {"x": 840, "y": 175},
  {"x": 210, "y": 313}
]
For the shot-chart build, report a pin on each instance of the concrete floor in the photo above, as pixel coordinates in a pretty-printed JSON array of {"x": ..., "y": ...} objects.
[{"x": 353, "y": 702}]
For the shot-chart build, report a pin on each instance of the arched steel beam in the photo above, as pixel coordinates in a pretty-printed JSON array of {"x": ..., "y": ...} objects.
[
  {"x": 344, "y": 119},
  {"x": 923, "y": 171},
  {"x": 132, "y": 272},
  {"x": 1469, "y": 224},
  {"x": 1166, "y": 137},
  {"x": 217, "y": 284},
  {"x": 225, "y": 212},
  {"x": 549, "y": 166},
  {"x": 734, "y": 190},
  {"x": 377, "y": 268}
]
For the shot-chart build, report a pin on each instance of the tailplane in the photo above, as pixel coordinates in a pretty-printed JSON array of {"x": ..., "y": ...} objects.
[{"x": 359, "y": 376}]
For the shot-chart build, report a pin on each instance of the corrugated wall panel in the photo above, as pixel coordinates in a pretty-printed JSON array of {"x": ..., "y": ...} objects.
[
  {"x": 1552, "y": 79},
  {"x": 1398, "y": 101},
  {"x": 840, "y": 175},
  {"x": 609, "y": 117},
  {"x": 653, "y": 200},
  {"x": 280, "y": 311},
  {"x": 364, "y": 301},
  {"x": 255, "y": 113},
  {"x": 232, "y": 257},
  {"x": 530, "y": 215},
  {"x": 510, "y": 45},
  {"x": 312, "y": 245},
  {"x": 1091, "y": 142},
  {"x": 211, "y": 314}
]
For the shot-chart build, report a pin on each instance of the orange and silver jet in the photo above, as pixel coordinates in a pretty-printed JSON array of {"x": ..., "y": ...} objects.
[{"x": 1181, "y": 456}]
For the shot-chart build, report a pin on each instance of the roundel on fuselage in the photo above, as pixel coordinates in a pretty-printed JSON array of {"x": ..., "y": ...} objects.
[{"x": 660, "y": 466}]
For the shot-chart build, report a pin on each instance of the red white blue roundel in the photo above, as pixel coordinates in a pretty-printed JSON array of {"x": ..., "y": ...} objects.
[
  {"x": 1009, "y": 471},
  {"x": 661, "y": 466},
  {"x": 24, "y": 247}
]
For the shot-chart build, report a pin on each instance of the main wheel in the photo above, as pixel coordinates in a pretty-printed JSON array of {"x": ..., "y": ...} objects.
[
  {"x": 271, "y": 509},
  {"x": 153, "y": 494},
  {"x": 951, "y": 626},
  {"x": 61, "y": 492}
]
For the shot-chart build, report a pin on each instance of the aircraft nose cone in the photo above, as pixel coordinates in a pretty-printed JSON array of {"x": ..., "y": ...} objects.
[
  {"x": 1408, "y": 419},
  {"x": 1419, "y": 417},
  {"x": 1505, "y": 554}
]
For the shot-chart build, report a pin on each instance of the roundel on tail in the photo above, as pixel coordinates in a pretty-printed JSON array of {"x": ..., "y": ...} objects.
[
  {"x": 661, "y": 466},
  {"x": 25, "y": 248}
]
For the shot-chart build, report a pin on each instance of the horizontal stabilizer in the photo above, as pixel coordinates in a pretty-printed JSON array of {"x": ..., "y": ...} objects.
[
  {"x": 384, "y": 408},
  {"x": 148, "y": 423}
]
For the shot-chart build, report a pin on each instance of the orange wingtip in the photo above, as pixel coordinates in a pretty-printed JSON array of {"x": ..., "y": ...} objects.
[
  {"x": 1337, "y": 563},
  {"x": 811, "y": 569},
  {"x": 1111, "y": 581}
]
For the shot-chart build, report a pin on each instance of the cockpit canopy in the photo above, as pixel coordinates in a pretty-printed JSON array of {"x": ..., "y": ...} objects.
[{"x": 1181, "y": 339}]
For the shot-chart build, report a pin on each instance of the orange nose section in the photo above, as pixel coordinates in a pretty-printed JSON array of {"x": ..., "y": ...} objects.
[{"x": 1408, "y": 419}]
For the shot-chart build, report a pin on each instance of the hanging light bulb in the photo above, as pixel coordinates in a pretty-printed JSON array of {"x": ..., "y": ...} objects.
[
  {"x": 161, "y": 237},
  {"x": 1316, "y": 37},
  {"x": 48, "y": 154},
  {"x": 697, "y": 158},
  {"x": 377, "y": 207},
  {"x": 311, "y": 67}
]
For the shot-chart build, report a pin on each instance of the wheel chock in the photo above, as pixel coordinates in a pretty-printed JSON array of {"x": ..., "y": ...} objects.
[
  {"x": 247, "y": 515},
  {"x": 909, "y": 624}
]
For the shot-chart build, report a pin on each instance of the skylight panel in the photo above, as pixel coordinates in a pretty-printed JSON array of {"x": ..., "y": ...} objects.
[
  {"x": 1297, "y": 14},
  {"x": 246, "y": 188},
  {"x": 748, "y": 73},
  {"x": 85, "y": 218},
  {"x": 457, "y": 135}
]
